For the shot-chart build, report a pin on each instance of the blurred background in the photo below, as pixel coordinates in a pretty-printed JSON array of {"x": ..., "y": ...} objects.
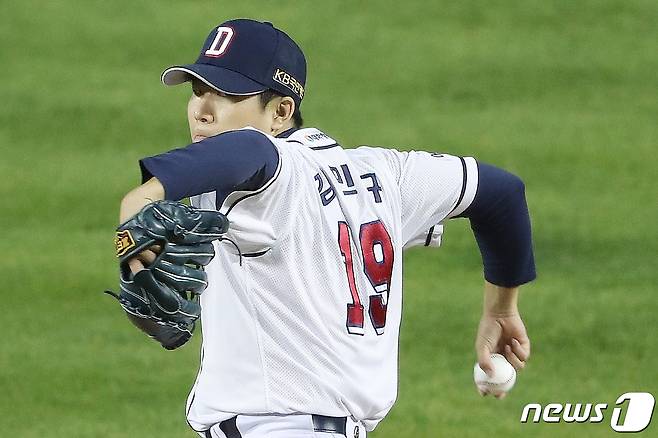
[{"x": 564, "y": 93}]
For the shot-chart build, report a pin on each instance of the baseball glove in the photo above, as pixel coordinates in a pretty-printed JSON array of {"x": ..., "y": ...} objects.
[{"x": 162, "y": 300}]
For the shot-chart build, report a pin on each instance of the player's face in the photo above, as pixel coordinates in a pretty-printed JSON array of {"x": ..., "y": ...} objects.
[{"x": 210, "y": 112}]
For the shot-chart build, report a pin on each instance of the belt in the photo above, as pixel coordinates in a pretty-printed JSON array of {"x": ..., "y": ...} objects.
[
  {"x": 329, "y": 424},
  {"x": 321, "y": 423}
]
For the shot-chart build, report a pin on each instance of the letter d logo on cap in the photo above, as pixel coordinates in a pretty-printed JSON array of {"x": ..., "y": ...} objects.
[{"x": 220, "y": 43}]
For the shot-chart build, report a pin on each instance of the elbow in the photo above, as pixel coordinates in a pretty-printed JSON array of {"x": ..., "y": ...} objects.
[
  {"x": 512, "y": 204},
  {"x": 515, "y": 189},
  {"x": 502, "y": 189},
  {"x": 518, "y": 186},
  {"x": 498, "y": 192}
]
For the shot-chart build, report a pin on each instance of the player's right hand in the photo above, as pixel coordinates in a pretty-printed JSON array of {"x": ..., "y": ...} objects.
[{"x": 503, "y": 334}]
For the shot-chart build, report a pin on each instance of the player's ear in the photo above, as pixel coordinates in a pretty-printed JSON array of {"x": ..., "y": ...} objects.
[{"x": 282, "y": 112}]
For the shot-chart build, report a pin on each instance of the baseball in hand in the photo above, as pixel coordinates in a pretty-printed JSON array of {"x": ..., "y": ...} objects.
[{"x": 502, "y": 380}]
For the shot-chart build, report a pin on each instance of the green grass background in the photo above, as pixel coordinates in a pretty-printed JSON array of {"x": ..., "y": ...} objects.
[{"x": 562, "y": 92}]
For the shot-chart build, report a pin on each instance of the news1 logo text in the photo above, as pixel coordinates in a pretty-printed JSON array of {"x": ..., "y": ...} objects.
[{"x": 632, "y": 412}]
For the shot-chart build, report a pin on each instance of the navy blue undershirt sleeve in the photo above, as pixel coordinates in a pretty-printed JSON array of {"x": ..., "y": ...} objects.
[
  {"x": 243, "y": 160},
  {"x": 501, "y": 224}
]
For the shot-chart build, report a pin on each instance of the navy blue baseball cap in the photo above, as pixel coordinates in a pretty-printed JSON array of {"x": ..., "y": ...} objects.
[{"x": 246, "y": 57}]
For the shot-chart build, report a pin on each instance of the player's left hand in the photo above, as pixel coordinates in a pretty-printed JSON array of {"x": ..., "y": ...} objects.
[
  {"x": 504, "y": 334},
  {"x": 162, "y": 251}
]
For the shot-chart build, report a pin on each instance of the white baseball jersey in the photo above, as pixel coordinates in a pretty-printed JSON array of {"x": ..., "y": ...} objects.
[{"x": 307, "y": 319}]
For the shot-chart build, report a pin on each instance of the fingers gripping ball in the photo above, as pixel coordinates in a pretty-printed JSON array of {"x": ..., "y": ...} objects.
[
  {"x": 503, "y": 378},
  {"x": 161, "y": 300}
]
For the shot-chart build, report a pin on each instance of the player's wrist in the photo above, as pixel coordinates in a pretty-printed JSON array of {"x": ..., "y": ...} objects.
[{"x": 500, "y": 301}]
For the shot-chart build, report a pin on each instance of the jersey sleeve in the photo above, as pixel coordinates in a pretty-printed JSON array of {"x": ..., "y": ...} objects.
[
  {"x": 433, "y": 188},
  {"x": 235, "y": 173},
  {"x": 238, "y": 160}
]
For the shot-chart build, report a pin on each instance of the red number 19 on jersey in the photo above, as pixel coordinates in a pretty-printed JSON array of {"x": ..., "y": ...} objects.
[{"x": 377, "y": 251}]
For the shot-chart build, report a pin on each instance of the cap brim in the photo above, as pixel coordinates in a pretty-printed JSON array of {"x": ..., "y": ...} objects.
[{"x": 221, "y": 79}]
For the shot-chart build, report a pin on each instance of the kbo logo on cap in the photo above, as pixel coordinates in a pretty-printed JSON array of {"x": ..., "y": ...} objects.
[
  {"x": 221, "y": 42},
  {"x": 287, "y": 80}
]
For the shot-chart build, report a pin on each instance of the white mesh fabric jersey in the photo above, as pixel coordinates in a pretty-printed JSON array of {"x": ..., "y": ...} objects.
[{"x": 309, "y": 321}]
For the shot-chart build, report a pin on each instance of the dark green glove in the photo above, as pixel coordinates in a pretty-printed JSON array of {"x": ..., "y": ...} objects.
[
  {"x": 168, "y": 222},
  {"x": 162, "y": 300},
  {"x": 179, "y": 266}
]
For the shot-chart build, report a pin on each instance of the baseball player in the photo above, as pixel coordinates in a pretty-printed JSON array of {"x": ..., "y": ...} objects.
[{"x": 302, "y": 311}]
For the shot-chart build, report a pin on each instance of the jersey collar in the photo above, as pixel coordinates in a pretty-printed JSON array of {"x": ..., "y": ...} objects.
[{"x": 286, "y": 134}]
